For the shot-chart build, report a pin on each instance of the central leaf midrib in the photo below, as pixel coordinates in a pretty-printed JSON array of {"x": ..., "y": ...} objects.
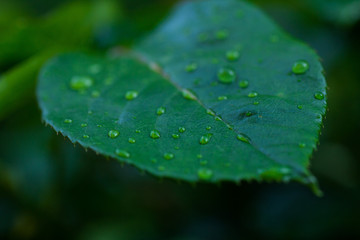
[{"x": 155, "y": 67}]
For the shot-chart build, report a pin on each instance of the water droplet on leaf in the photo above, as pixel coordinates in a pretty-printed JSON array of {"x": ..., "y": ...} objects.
[
  {"x": 232, "y": 55},
  {"x": 300, "y": 67},
  {"x": 160, "y": 111},
  {"x": 113, "y": 133},
  {"x": 182, "y": 129},
  {"x": 168, "y": 156},
  {"x": 243, "y": 84},
  {"x": 319, "y": 96},
  {"x": 226, "y": 75},
  {"x": 130, "y": 95},
  {"x": 122, "y": 153},
  {"x": 155, "y": 134},
  {"x": 243, "y": 138},
  {"x": 205, "y": 174}
]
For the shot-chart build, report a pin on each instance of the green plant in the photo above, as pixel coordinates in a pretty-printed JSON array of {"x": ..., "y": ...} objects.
[{"x": 201, "y": 98}]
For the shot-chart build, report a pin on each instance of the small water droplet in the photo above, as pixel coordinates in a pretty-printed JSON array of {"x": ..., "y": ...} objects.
[
  {"x": 253, "y": 94},
  {"x": 199, "y": 156},
  {"x": 226, "y": 75},
  {"x": 99, "y": 125},
  {"x": 319, "y": 96},
  {"x": 232, "y": 55},
  {"x": 176, "y": 147},
  {"x": 222, "y": 34},
  {"x": 302, "y": 145},
  {"x": 95, "y": 68},
  {"x": 208, "y": 128},
  {"x": 122, "y": 153},
  {"x": 188, "y": 95},
  {"x": 176, "y": 136},
  {"x": 182, "y": 129},
  {"x": 210, "y": 112},
  {"x": 300, "y": 67},
  {"x": 243, "y": 84},
  {"x": 205, "y": 174},
  {"x": 130, "y": 95},
  {"x": 222, "y": 98},
  {"x": 86, "y": 136},
  {"x": 138, "y": 131},
  {"x": 243, "y": 138},
  {"x": 81, "y": 83},
  {"x": 256, "y": 103},
  {"x": 160, "y": 111},
  {"x": 191, "y": 67},
  {"x": 68, "y": 121},
  {"x": 168, "y": 156},
  {"x": 217, "y": 118},
  {"x": 205, "y": 139},
  {"x": 154, "y": 160},
  {"x": 203, "y": 162},
  {"x": 95, "y": 94},
  {"x": 132, "y": 140},
  {"x": 113, "y": 133},
  {"x": 84, "y": 125},
  {"x": 155, "y": 134},
  {"x": 300, "y": 107}
]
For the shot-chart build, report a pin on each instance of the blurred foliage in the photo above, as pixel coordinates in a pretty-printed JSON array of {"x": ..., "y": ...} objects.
[{"x": 50, "y": 189}]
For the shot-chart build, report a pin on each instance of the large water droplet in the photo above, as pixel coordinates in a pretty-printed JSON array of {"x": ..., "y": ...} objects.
[
  {"x": 122, "y": 153},
  {"x": 81, "y": 83},
  {"x": 319, "y": 96},
  {"x": 168, "y": 156},
  {"x": 226, "y": 75},
  {"x": 155, "y": 134},
  {"x": 300, "y": 67},
  {"x": 113, "y": 133},
  {"x": 205, "y": 139},
  {"x": 160, "y": 111},
  {"x": 205, "y": 174},
  {"x": 130, "y": 95}
]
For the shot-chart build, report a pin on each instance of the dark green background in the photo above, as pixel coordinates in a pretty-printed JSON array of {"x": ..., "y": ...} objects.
[{"x": 50, "y": 189}]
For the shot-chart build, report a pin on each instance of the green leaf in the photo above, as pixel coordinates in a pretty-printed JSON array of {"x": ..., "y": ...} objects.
[{"x": 211, "y": 95}]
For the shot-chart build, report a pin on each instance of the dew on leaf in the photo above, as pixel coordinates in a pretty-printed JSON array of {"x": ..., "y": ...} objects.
[
  {"x": 95, "y": 68},
  {"x": 138, "y": 131},
  {"x": 80, "y": 83},
  {"x": 243, "y": 138},
  {"x": 203, "y": 162},
  {"x": 188, "y": 95},
  {"x": 132, "y": 140},
  {"x": 232, "y": 55},
  {"x": 208, "y": 128},
  {"x": 210, "y": 112},
  {"x": 182, "y": 129},
  {"x": 319, "y": 96},
  {"x": 83, "y": 125},
  {"x": 113, "y": 134},
  {"x": 191, "y": 67},
  {"x": 68, "y": 121},
  {"x": 256, "y": 103},
  {"x": 205, "y": 139},
  {"x": 253, "y": 94},
  {"x": 95, "y": 94},
  {"x": 86, "y": 136},
  {"x": 205, "y": 174},
  {"x": 300, "y": 67},
  {"x": 168, "y": 156},
  {"x": 302, "y": 145},
  {"x": 222, "y": 34},
  {"x": 217, "y": 118},
  {"x": 130, "y": 95},
  {"x": 243, "y": 84},
  {"x": 160, "y": 111},
  {"x": 122, "y": 153},
  {"x": 222, "y": 98},
  {"x": 176, "y": 136},
  {"x": 226, "y": 75},
  {"x": 155, "y": 134},
  {"x": 199, "y": 156},
  {"x": 300, "y": 107}
]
